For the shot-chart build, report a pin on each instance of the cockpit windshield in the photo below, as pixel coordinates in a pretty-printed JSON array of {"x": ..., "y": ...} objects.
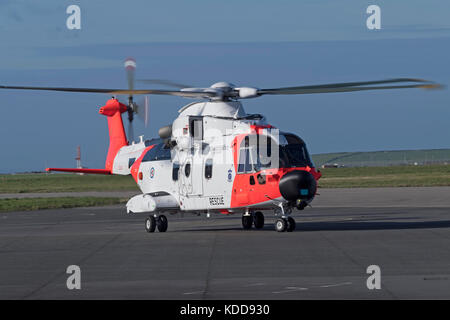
[{"x": 293, "y": 152}]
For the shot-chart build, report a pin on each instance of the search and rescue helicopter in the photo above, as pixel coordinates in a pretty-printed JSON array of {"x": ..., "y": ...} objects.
[{"x": 214, "y": 157}]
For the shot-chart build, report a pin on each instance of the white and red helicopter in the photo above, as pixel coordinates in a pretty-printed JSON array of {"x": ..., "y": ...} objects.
[{"x": 215, "y": 158}]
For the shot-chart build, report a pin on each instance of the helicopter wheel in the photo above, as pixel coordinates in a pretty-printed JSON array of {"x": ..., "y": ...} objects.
[
  {"x": 281, "y": 225},
  {"x": 162, "y": 223},
  {"x": 290, "y": 224},
  {"x": 247, "y": 222},
  {"x": 150, "y": 224},
  {"x": 258, "y": 220}
]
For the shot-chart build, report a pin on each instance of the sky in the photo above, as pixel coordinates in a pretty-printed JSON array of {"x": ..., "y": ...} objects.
[{"x": 249, "y": 43}]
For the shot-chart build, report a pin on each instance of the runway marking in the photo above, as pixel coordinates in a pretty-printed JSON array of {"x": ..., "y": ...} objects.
[
  {"x": 291, "y": 289},
  {"x": 335, "y": 285},
  {"x": 435, "y": 278},
  {"x": 208, "y": 273},
  {"x": 255, "y": 284},
  {"x": 194, "y": 292}
]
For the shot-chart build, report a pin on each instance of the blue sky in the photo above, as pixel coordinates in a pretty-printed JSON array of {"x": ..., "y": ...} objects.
[{"x": 253, "y": 43}]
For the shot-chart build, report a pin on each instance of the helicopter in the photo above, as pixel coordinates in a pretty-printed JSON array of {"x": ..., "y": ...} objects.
[{"x": 214, "y": 158}]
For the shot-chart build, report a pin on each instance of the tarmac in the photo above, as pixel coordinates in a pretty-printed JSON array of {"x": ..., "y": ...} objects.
[{"x": 404, "y": 231}]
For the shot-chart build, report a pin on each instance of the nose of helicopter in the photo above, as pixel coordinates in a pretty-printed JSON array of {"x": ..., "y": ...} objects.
[{"x": 298, "y": 184}]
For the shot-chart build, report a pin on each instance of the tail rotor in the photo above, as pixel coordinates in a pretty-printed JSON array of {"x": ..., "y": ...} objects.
[{"x": 141, "y": 108}]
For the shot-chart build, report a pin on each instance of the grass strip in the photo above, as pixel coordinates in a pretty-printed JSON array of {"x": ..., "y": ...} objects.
[
  {"x": 28, "y": 204},
  {"x": 44, "y": 183},
  {"x": 397, "y": 176}
]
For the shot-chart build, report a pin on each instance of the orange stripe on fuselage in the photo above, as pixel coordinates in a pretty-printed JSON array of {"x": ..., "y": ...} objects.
[{"x": 134, "y": 170}]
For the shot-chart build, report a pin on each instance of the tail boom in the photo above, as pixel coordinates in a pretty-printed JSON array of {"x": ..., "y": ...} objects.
[
  {"x": 117, "y": 139},
  {"x": 76, "y": 170}
]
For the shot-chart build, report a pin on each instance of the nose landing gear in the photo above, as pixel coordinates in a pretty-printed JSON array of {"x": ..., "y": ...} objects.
[{"x": 285, "y": 224}]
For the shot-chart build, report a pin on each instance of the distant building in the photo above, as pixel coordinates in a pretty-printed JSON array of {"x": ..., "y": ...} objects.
[{"x": 329, "y": 165}]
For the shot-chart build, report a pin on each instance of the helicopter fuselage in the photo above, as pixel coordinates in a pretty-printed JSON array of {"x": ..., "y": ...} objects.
[{"x": 210, "y": 160}]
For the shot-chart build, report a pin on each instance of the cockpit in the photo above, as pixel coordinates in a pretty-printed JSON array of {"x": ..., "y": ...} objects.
[
  {"x": 293, "y": 152},
  {"x": 258, "y": 152}
]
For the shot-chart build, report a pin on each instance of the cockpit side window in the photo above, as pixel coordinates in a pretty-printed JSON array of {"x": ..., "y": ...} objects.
[
  {"x": 253, "y": 153},
  {"x": 244, "y": 165}
]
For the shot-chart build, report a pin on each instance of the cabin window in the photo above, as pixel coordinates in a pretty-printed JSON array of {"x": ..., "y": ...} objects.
[
  {"x": 208, "y": 168},
  {"x": 187, "y": 169},
  {"x": 175, "y": 171},
  {"x": 196, "y": 128},
  {"x": 130, "y": 162}
]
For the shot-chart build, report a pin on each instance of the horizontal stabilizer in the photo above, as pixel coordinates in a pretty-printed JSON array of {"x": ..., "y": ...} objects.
[{"x": 92, "y": 171}]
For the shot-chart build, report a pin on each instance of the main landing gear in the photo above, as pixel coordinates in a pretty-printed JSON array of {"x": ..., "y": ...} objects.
[
  {"x": 256, "y": 219},
  {"x": 153, "y": 222}
]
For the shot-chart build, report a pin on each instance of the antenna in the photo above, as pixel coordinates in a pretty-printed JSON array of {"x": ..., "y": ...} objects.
[{"x": 78, "y": 158}]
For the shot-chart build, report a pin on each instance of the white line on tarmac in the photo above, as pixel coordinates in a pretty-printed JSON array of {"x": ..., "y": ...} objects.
[{"x": 336, "y": 285}]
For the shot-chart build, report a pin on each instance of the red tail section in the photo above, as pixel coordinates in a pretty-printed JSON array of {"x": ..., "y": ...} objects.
[
  {"x": 117, "y": 138},
  {"x": 113, "y": 109}
]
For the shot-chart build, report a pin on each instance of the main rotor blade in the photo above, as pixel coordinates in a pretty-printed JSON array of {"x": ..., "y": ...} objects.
[
  {"x": 166, "y": 83},
  {"x": 187, "y": 94},
  {"x": 351, "y": 86}
]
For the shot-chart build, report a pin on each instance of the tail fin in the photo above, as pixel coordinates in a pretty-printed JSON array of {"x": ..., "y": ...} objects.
[{"x": 117, "y": 138}]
